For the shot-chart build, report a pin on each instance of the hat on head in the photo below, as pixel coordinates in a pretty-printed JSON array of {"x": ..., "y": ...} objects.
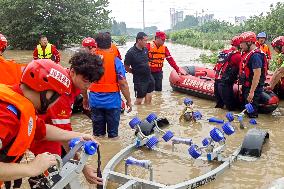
[{"x": 161, "y": 35}]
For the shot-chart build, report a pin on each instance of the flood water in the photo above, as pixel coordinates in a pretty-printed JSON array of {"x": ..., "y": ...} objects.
[{"x": 169, "y": 104}]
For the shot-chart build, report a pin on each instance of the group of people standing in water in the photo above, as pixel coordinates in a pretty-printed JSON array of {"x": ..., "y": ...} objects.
[
  {"x": 248, "y": 62},
  {"x": 36, "y": 99}
]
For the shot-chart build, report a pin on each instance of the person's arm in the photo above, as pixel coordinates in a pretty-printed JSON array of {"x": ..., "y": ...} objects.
[
  {"x": 56, "y": 54},
  {"x": 125, "y": 91},
  {"x": 35, "y": 54},
  {"x": 57, "y": 134},
  {"x": 278, "y": 74},
  {"x": 172, "y": 62},
  {"x": 121, "y": 78},
  {"x": 127, "y": 68},
  {"x": 127, "y": 62},
  {"x": 86, "y": 105},
  {"x": 254, "y": 83},
  {"x": 13, "y": 171},
  {"x": 268, "y": 53}
]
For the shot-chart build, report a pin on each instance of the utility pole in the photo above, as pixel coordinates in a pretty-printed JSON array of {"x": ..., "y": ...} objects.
[{"x": 143, "y": 17}]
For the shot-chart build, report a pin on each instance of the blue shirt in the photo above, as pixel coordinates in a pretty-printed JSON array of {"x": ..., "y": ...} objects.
[
  {"x": 108, "y": 100},
  {"x": 256, "y": 61}
]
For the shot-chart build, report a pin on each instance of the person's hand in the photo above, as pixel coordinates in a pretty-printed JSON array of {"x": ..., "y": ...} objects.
[
  {"x": 250, "y": 97},
  {"x": 41, "y": 163},
  {"x": 88, "y": 137},
  {"x": 268, "y": 88},
  {"x": 129, "y": 106},
  {"x": 91, "y": 175},
  {"x": 86, "y": 105}
]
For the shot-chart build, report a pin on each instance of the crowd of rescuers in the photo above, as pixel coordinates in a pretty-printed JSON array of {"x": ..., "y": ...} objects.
[
  {"x": 36, "y": 109},
  {"x": 247, "y": 61},
  {"x": 36, "y": 99}
]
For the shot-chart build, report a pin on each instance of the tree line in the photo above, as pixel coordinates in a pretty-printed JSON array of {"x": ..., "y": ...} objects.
[
  {"x": 62, "y": 21},
  {"x": 272, "y": 23}
]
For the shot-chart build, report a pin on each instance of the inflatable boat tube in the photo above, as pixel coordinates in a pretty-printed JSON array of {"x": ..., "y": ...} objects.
[{"x": 199, "y": 82}]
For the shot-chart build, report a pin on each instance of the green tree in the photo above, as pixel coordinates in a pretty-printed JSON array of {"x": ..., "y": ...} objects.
[
  {"x": 272, "y": 23},
  {"x": 62, "y": 21},
  {"x": 118, "y": 28}
]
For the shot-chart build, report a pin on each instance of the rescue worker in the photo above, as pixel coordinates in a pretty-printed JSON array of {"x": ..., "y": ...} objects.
[
  {"x": 41, "y": 84},
  {"x": 260, "y": 43},
  {"x": 85, "y": 68},
  {"x": 158, "y": 52},
  {"x": 90, "y": 44},
  {"x": 226, "y": 74},
  {"x": 136, "y": 63},
  {"x": 104, "y": 96},
  {"x": 253, "y": 72},
  {"x": 45, "y": 50},
  {"x": 11, "y": 71},
  {"x": 278, "y": 46}
]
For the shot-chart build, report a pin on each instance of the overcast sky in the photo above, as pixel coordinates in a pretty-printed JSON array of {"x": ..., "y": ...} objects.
[{"x": 157, "y": 12}]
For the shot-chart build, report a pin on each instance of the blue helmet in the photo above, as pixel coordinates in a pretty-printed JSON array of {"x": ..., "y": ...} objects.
[{"x": 261, "y": 35}]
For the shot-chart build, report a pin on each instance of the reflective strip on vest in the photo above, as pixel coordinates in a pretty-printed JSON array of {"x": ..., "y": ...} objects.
[
  {"x": 47, "y": 54},
  {"x": 156, "y": 55},
  {"x": 60, "y": 121},
  {"x": 27, "y": 127}
]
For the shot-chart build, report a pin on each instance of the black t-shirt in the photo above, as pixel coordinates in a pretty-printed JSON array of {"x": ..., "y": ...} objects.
[{"x": 138, "y": 60}]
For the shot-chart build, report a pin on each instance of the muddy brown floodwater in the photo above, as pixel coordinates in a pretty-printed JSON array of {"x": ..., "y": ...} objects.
[{"x": 169, "y": 104}]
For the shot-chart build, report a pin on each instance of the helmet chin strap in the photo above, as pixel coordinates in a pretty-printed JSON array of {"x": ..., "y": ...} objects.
[{"x": 44, "y": 102}]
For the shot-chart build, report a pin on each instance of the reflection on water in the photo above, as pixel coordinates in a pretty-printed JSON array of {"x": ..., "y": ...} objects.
[{"x": 171, "y": 170}]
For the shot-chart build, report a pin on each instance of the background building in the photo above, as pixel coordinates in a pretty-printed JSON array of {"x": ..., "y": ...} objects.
[{"x": 176, "y": 17}]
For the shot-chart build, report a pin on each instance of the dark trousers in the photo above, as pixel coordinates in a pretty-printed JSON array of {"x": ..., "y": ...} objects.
[
  {"x": 218, "y": 97},
  {"x": 158, "y": 78},
  {"x": 17, "y": 184},
  {"x": 227, "y": 94},
  {"x": 105, "y": 118},
  {"x": 256, "y": 99}
]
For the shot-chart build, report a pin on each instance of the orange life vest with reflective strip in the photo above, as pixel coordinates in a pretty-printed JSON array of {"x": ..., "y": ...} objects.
[
  {"x": 26, "y": 132},
  {"x": 108, "y": 82},
  {"x": 11, "y": 72},
  {"x": 156, "y": 55}
]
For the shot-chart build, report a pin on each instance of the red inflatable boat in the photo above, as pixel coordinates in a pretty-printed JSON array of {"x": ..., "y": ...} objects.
[{"x": 199, "y": 82}]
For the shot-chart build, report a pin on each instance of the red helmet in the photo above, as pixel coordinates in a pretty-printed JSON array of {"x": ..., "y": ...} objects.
[
  {"x": 278, "y": 42},
  {"x": 235, "y": 41},
  {"x": 43, "y": 74},
  {"x": 89, "y": 42},
  {"x": 3, "y": 42},
  {"x": 161, "y": 35},
  {"x": 248, "y": 37}
]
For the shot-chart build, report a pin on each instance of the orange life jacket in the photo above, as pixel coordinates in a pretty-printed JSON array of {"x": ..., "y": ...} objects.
[
  {"x": 26, "y": 132},
  {"x": 265, "y": 49},
  {"x": 156, "y": 55},
  {"x": 115, "y": 50},
  {"x": 108, "y": 82},
  {"x": 11, "y": 72}
]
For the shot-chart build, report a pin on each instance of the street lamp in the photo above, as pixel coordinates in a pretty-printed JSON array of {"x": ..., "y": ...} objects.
[{"x": 143, "y": 17}]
